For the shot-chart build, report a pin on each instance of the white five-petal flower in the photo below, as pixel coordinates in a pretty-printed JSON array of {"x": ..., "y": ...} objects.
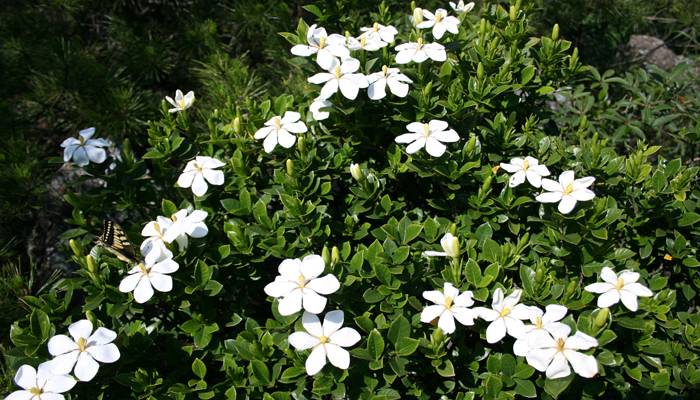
[
  {"x": 548, "y": 321},
  {"x": 341, "y": 76},
  {"x": 419, "y": 52},
  {"x": 506, "y": 316},
  {"x": 83, "y": 351},
  {"x": 428, "y": 135},
  {"x": 199, "y": 169},
  {"x": 449, "y": 306},
  {"x": 451, "y": 246},
  {"x": 325, "y": 341},
  {"x": 386, "y": 33},
  {"x": 378, "y": 81},
  {"x": 155, "y": 244},
  {"x": 440, "y": 22},
  {"x": 369, "y": 43},
  {"x": 529, "y": 167},
  {"x": 461, "y": 8},
  {"x": 181, "y": 102},
  {"x": 325, "y": 47},
  {"x": 41, "y": 384},
  {"x": 83, "y": 150},
  {"x": 298, "y": 285},
  {"x": 142, "y": 279},
  {"x": 280, "y": 130},
  {"x": 625, "y": 288},
  {"x": 316, "y": 107},
  {"x": 183, "y": 225},
  {"x": 567, "y": 191},
  {"x": 552, "y": 352}
]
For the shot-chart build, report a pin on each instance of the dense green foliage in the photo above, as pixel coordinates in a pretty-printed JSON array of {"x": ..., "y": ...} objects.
[{"x": 217, "y": 335}]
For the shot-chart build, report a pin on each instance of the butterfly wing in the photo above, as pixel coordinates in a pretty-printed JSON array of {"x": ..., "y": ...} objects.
[{"x": 115, "y": 241}]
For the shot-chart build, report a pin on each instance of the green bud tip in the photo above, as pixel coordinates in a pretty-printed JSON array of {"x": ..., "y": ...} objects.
[
  {"x": 326, "y": 255},
  {"x": 76, "y": 248},
  {"x": 571, "y": 288},
  {"x": 480, "y": 72},
  {"x": 92, "y": 265},
  {"x": 555, "y": 32},
  {"x": 602, "y": 318},
  {"x": 513, "y": 13},
  {"x": 335, "y": 255},
  {"x": 487, "y": 183},
  {"x": 471, "y": 144},
  {"x": 237, "y": 125},
  {"x": 539, "y": 275},
  {"x": 301, "y": 144},
  {"x": 291, "y": 170}
]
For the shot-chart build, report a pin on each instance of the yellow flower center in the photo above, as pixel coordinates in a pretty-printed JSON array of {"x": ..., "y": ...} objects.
[
  {"x": 363, "y": 41},
  {"x": 277, "y": 123},
  {"x": 426, "y": 128},
  {"x": 569, "y": 189},
  {"x": 560, "y": 344},
  {"x": 385, "y": 69},
  {"x": 82, "y": 140},
  {"x": 526, "y": 165},
  {"x": 336, "y": 72},
  {"x": 35, "y": 391},
  {"x": 197, "y": 167},
  {"x": 182, "y": 103},
  {"x": 174, "y": 218},
  {"x": 321, "y": 43},
  {"x": 158, "y": 229},
  {"x": 323, "y": 339},
  {"x": 448, "y": 303},
  {"x": 620, "y": 283},
  {"x": 438, "y": 18},
  {"x": 376, "y": 27},
  {"x": 539, "y": 323},
  {"x": 420, "y": 43},
  {"x": 143, "y": 268},
  {"x": 302, "y": 281},
  {"x": 505, "y": 312},
  {"x": 81, "y": 343}
]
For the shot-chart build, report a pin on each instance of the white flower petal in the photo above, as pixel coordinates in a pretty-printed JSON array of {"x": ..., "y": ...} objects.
[
  {"x": 199, "y": 186},
  {"x": 609, "y": 298},
  {"x": 215, "y": 177},
  {"x": 567, "y": 204},
  {"x": 429, "y": 313},
  {"x": 86, "y": 367},
  {"x": 332, "y": 322},
  {"x": 558, "y": 368},
  {"x": 26, "y": 377},
  {"x": 291, "y": 303},
  {"x": 80, "y": 329},
  {"x": 496, "y": 330},
  {"x": 326, "y": 285},
  {"x": 160, "y": 282},
  {"x": 312, "y": 324},
  {"x": 102, "y": 336},
  {"x": 447, "y": 322},
  {"x": 61, "y": 344},
  {"x": 338, "y": 356},
  {"x": 583, "y": 364},
  {"x": 316, "y": 360},
  {"x": 302, "y": 340},
  {"x": 629, "y": 299},
  {"x": 345, "y": 337},
  {"x": 144, "y": 291},
  {"x": 313, "y": 302},
  {"x": 64, "y": 363},
  {"x": 108, "y": 353}
]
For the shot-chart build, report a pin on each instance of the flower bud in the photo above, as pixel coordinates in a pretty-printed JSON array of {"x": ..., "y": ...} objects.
[
  {"x": 555, "y": 32},
  {"x": 513, "y": 13},
  {"x": 518, "y": 5},
  {"x": 602, "y": 318},
  {"x": 539, "y": 275},
  {"x": 595, "y": 138},
  {"x": 471, "y": 144},
  {"x": 127, "y": 147},
  {"x": 237, "y": 125},
  {"x": 417, "y": 15},
  {"x": 413, "y": 5},
  {"x": 662, "y": 295},
  {"x": 487, "y": 184},
  {"x": 291, "y": 170},
  {"x": 451, "y": 246},
  {"x": 575, "y": 54},
  {"x": 482, "y": 27},
  {"x": 335, "y": 255},
  {"x": 76, "y": 248},
  {"x": 428, "y": 89},
  {"x": 584, "y": 123},
  {"x": 92, "y": 318},
  {"x": 356, "y": 172},
  {"x": 326, "y": 255},
  {"x": 301, "y": 144},
  {"x": 571, "y": 288},
  {"x": 453, "y": 229},
  {"x": 437, "y": 335},
  {"x": 480, "y": 72},
  {"x": 92, "y": 265}
]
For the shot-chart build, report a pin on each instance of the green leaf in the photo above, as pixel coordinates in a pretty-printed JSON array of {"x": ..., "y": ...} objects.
[
  {"x": 430, "y": 227},
  {"x": 292, "y": 372},
  {"x": 372, "y": 296},
  {"x": 658, "y": 181},
  {"x": 527, "y": 279},
  {"x": 407, "y": 346},
  {"x": 408, "y": 232},
  {"x": 169, "y": 208},
  {"x": 493, "y": 385},
  {"x": 199, "y": 368},
  {"x": 525, "y": 388},
  {"x": 688, "y": 219},
  {"x": 313, "y": 10},
  {"x": 364, "y": 323},
  {"x": 400, "y": 328},
  {"x": 636, "y": 323},
  {"x": 483, "y": 232},
  {"x": 491, "y": 251},
  {"x": 261, "y": 372},
  {"x": 473, "y": 273},
  {"x": 527, "y": 74},
  {"x": 375, "y": 344},
  {"x": 260, "y": 214},
  {"x": 446, "y": 370},
  {"x": 40, "y": 324},
  {"x": 281, "y": 105},
  {"x": 201, "y": 273},
  {"x": 555, "y": 386}
]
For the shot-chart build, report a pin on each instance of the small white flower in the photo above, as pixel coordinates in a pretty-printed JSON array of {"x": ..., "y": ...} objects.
[
  {"x": 419, "y": 52},
  {"x": 448, "y": 306},
  {"x": 506, "y": 316},
  {"x": 142, "y": 279},
  {"x": 41, "y": 384},
  {"x": 428, "y": 135},
  {"x": 83, "y": 351},
  {"x": 183, "y": 225},
  {"x": 461, "y": 8},
  {"x": 325, "y": 47},
  {"x": 181, "y": 102},
  {"x": 548, "y": 322},
  {"x": 451, "y": 246},
  {"x": 316, "y": 107},
  {"x": 614, "y": 289},
  {"x": 386, "y": 33},
  {"x": 356, "y": 172},
  {"x": 392, "y": 77},
  {"x": 529, "y": 167},
  {"x": 154, "y": 232},
  {"x": 280, "y": 129},
  {"x": 341, "y": 76},
  {"x": 369, "y": 43},
  {"x": 567, "y": 191},
  {"x": 298, "y": 284},
  {"x": 552, "y": 352},
  {"x": 440, "y": 23},
  {"x": 83, "y": 150},
  {"x": 199, "y": 169},
  {"x": 417, "y": 16},
  {"x": 325, "y": 341}
]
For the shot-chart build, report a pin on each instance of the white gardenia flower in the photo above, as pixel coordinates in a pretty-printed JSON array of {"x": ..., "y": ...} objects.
[
  {"x": 298, "y": 285},
  {"x": 181, "y": 102},
  {"x": 392, "y": 77},
  {"x": 83, "y": 351},
  {"x": 419, "y": 52},
  {"x": 506, "y": 316},
  {"x": 316, "y": 107},
  {"x": 341, "y": 76},
  {"x": 451, "y": 246},
  {"x": 280, "y": 130},
  {"x": 440, "y": 22},
  {"x": 461, "y": 8},
  {"x": 369, "y": 43},
  {"x": 142, "y": 279},
  {"x": 199, "y": 169},
  {"x": 183, "y": 225},
  {"x": 430, "y": 136},
  {"x": 325, "y": 47},
  {"x": 449, "y": 305},
  {"x": 614, "y": 289},
  {"x": 528, "y": 168},
  {"x": 552, "y": 352},
  {"x": 548, "y": 321},
  {"x": 386, "y": 33},
  {"x": 41, "y": 384},
  {"x": 325, "y": 341},
  {"x": 155, "y": 244},
  {"x": 567, "y": 191},
  {"x": 83, "y": 150}
]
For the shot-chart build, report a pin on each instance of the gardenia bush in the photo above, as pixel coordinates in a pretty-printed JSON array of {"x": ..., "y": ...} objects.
[{"x": 406, "y": 222}]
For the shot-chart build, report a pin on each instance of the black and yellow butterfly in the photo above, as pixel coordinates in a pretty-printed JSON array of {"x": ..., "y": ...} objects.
[{"x": 115, "y": 241}]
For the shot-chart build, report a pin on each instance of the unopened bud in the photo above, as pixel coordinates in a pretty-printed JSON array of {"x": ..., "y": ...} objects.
[
  {"x": 417, "y": 16},
  {"x": 301, "y": 144},
  {"x": 571, "y": 288},
  {"x": 575, "y": 55},
  {"x": 356, "y": 172},
  {"x": 77, "y": 249},
  {"x": 482, "y": 27},
  {"x": 513, "y": 13},
  {"x": 555, "y": 32},
  {"x": 413, "y": 5},
  {"x": 584, "y": 123},
  {"x": 428, "y": 89},
  {"x": 347, "y": 35},
  {"x": 326, "y": 255},
  {"x": 471, "y": 144},
  {"x": 518, "y": 5},
  {"x": 92, "y": 265},
  {"x": 602, "y": 318},
  {"x": 539, "y": 275},
  {"x": 237, "y": 125},
  {"x": 487, "y": 184},
  {"x": 437, "y": 335},
  {"x": 451, "y": 245},
  {"x": 127, "y": 146},
  {"x": 92, "y": 318},
  {"x": 291, "y": 170},
  {"x": 480, "y": 72},
  {"x": 453, "y": 229},
  {"x": 335, "y": 255},
  {"x": 595, "y": 138}
]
